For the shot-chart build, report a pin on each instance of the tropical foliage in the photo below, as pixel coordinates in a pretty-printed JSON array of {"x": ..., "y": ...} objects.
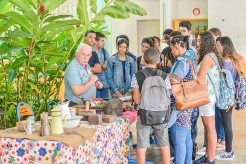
[{"x": 36, "y": 46}]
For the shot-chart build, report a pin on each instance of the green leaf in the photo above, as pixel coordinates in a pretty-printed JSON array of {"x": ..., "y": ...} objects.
[
  {"x": 57, "y": 31},
  {"x": 33, "y": 86},
  {"x": 34, "y": 3},
  {"x": 99, "y": 18},
  {"x": 131, "y": 8},
  {"x": 82, "y": 12},
  {"x": 51, "y": 5},
  {"x": 106, "y": 33},
  {"x": 20, "y": 62},
  {"x": 93, "y": 5},
  {"x": 3, "y": 29},
  {"x": 73, "y": 34},
  {"x": 19, "y": 19},
  {"x": 32, "y": 17},
  {"x": 21, "y": 4},
  {"x": 54, "y": 18},
  {"x": 115, "y": 12},
  {"x": 11, "y": 76},
  {"x": 5, "y": 6},
  {"x": 59, "y": 24},
  {"x": 106, "y": 1}
]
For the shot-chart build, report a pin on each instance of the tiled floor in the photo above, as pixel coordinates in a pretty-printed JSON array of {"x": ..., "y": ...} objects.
[{"x": 239, "y": 141}]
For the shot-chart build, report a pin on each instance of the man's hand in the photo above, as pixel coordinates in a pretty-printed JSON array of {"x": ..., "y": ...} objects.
[
  {"x": 99, "y": 85},
  {"x": 93, "y": 78},
  {"x": 118, "y": 94},
  {"x": 96, "y": 69}
]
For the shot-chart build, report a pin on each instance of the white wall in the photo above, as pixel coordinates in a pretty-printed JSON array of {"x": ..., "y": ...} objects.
[
  {"x": 229, "y": 17},
  {"x": 184, "y": 8},
  {"x": 129, "y": 26}
]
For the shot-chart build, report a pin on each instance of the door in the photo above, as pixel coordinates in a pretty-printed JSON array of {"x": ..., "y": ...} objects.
[{"x": 147, "y": 28}]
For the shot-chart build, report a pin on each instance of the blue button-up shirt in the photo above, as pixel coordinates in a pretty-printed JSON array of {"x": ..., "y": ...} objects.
[
  {"x": 75, "y": 75},
  {"x": 102, "y": 77}
]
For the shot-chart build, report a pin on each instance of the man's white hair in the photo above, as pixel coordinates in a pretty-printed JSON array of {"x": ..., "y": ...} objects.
[{"x": 82, "y": 45}]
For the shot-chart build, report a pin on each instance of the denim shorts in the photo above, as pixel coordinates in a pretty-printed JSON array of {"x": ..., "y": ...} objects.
[{"x": 143, "y": 134}]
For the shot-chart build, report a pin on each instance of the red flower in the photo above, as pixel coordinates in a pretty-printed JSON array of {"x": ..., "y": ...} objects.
[{"x": 41, "y": 8}]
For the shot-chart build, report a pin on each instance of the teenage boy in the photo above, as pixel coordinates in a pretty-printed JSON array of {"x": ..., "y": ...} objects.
[
  {"x": 103, "y": 57},
  {"x": 94, "y": 63},
  {"x": 185, "y": 28},
  {"x": 151, "y": 58}
]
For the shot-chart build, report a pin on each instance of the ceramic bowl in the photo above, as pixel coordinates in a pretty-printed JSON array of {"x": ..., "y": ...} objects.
[{"x": 73, "y": 122}]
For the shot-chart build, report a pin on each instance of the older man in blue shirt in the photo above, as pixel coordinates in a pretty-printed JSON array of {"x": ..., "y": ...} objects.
[{"x": 79, "y": 81}]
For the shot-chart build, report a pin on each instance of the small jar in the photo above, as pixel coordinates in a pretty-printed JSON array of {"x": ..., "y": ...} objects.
[{"x": 72, "y": 111}]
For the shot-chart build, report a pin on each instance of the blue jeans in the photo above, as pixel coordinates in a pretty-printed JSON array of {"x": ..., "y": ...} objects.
[
  {"x": 218, "y": 125},
  {"x": 102, "y": 93},
  {"x": 183, "y": 145}
]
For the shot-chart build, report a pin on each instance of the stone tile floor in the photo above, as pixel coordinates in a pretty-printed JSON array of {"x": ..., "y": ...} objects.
[{"x": 239, "y": 141}]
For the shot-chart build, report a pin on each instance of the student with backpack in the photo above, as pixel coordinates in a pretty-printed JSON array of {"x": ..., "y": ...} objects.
[
  {"x": 208, "y": 68},
  {"x": 151, "y": 92},
  {"x": 180, "y": 120},
  {"x": 231, "y": 62}
]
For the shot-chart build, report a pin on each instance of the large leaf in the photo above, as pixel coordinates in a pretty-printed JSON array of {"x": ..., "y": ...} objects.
[
  {"x": 115, "y": 12},
  {"x": 57, "y": 31},
  {"x": 5, "y": 6},
  {"x": 19, "y": 34},
  {"x": 33, "y": 86},
  {"x": 73, "y": 35},
  {"x": 130, "y": 7},
  {"x": 59, "y": 24},
  {"x": 93, "y": 5},
  {"x": 51, "y": 5},
  {"x": 34, "y": 3},
  {"x": 3, "y": 29},
  {"x": 20, "y": 20},
  {"x": 20, "y": 62},
  {"x": 11, "y": 76},
  {"x": 32, "y": 17},
  {"x": 54, "y": 18},
  {"x": 82, "y": 12},
  {"x": 24, "y": 5},
  {"x": 99, "y": 18}
]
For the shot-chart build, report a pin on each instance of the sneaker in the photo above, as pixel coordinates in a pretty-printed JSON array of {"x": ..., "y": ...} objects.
[
  {"x": 201, "y": 151},
  {"x": 207, "y": 162},
  {"x": 172, "y": 160},
  {"x": 225, "y": 156},
  {"x": 203, "y": 159}
]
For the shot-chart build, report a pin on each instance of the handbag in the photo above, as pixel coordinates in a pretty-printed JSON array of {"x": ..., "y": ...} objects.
[{"x": 190, "y": 94}]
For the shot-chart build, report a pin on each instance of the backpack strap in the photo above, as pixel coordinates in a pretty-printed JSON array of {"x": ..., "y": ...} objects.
[
  {"x": 143, "y": 74},
  {"x": 215, "y": 60}
]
